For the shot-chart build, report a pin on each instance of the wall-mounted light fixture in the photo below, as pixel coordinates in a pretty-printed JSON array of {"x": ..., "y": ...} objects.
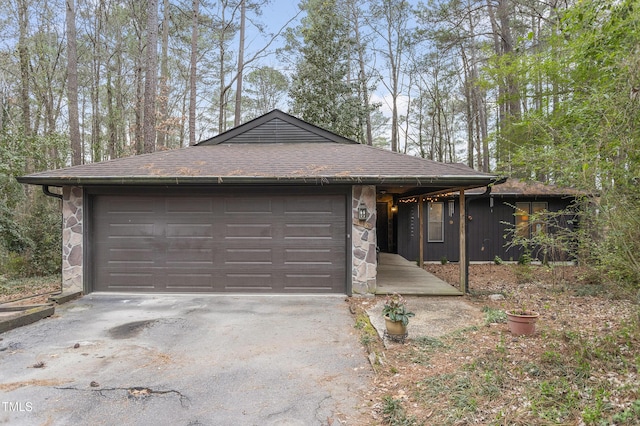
[
  {"x": 362, "y": 212},
  {"x": 394, "y": 208}
]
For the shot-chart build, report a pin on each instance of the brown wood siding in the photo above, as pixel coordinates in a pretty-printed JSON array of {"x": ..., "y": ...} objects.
[{"x": 257, "y": 242}]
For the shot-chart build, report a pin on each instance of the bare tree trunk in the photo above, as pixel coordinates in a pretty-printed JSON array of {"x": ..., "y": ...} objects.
[
  {"x": 163, "y": 108},
  {"x": 23, "y": 53},
  {"x": 139, "y": 143},
  {"x": 192, "y": 73},
  {"x": 72, "y": 85},
  {"x": 469, "y": 106},
  {"x": 238, "y": 105},
  {"x": 515, "y": 111},
  {"x": 96, "y": 83},
  {"x": 362, "y": 73},
  {"x": 112, "y": 138},
  {"x": 151, "y": 78}
]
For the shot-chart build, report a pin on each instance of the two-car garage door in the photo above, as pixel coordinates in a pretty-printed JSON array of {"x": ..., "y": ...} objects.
[{"x": 248, "y": 242}]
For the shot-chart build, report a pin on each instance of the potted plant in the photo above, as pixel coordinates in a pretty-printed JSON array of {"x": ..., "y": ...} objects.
[
  {"x": 522, "y": 321},
  {"x": 396, "y": 315}
]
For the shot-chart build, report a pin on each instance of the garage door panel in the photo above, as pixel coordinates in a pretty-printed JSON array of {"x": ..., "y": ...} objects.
[
  {"x": 248, "y": 231},
  {"x": 190, "y": 230},
  {"x": 240, "y": 243},
  {"x": 185, "y": 205},
  {"x": 190, "y": 256},
  {"x": 129, "y": 206},
  {"x": 249, "y": 256},
  {"x": 189, "y": 280},
  {"x": 117, "y": 280},
  {"x": 248, "y": 281},
  {"x": 237, "y": 206},
  {"x": 307, "y": 255},
  {"x": 310, "y": 282},
  {"x": 131, "y": 256},
  {"x": 309, "y": 205}
]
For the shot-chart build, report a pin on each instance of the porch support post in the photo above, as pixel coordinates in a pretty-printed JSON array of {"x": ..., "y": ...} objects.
[
  {"x": 421, "y": 237},
  {"x": 463, "y": 243}
]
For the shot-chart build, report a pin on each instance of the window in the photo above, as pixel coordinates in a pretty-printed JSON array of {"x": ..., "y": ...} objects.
[
  {"x": 524, "y": 226},
  {"x": 435, "y": 215},
  {"x": 538, "y": 226}
]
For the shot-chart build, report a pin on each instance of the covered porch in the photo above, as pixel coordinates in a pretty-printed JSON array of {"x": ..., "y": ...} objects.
[{"x": 398, "y": 275}]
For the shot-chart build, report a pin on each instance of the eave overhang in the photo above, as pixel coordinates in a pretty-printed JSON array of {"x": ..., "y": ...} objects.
[{"x": 411, "y": 181}]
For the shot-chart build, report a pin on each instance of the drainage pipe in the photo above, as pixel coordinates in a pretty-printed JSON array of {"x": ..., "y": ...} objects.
[{"x": 45, "y": 189}]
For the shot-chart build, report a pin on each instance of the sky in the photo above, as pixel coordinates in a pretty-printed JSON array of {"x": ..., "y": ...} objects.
[{"x": 277, "y": 14}]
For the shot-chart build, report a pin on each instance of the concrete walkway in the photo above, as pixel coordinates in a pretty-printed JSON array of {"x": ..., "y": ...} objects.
[{"x": 398, "y": 275}]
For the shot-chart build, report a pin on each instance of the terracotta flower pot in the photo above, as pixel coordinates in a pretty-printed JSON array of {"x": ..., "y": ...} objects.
[
  {"x": 395, "y": 328},
  {"x": 522, "y": 323}
]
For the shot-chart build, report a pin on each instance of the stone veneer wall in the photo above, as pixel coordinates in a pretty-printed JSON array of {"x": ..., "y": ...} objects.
[
  {"x": 72, "y": 238},
  {"x": 363, "y": 234}
]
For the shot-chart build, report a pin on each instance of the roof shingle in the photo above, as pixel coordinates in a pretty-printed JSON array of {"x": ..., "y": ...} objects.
[{"x": 283, "y": 158}]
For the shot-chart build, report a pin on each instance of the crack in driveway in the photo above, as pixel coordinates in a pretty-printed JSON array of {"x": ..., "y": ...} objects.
[{"x": 135, "y": 392}]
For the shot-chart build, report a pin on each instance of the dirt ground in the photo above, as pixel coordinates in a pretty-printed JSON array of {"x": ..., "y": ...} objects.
[{"x": 580, "y": 368}]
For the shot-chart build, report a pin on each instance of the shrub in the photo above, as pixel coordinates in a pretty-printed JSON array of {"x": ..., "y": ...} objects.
[{"x": 31, "y": 242}]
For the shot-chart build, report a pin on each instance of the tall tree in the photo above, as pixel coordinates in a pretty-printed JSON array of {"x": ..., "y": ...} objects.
[
  {"x": 23, "y": 53},
  {"x": 151, "y": 78},
  {"x": 193, "y": 75},
  {"x": 321, "y": 92},
  {"x": 238, "y": 102},
  {"x": 266, "y": 89},
  {"x": 72, "y": 85},
  {"x": 163, "y": 107},
  {"x": 356, "y": 23},
  {"x": 392, "y": 27}
]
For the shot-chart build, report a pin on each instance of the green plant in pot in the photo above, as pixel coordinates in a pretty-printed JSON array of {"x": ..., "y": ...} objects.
[{"x": 396, "y": 315}]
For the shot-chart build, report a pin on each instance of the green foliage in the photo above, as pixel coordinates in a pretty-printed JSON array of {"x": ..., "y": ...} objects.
[
  {"x": 265, "y": 88},
  {"x": 395, "y": 308},
  {"x": 11, "y": 288},
  {"x": 321, "y": 92},
  {"x": 45, "y": 258},
  {"x": 617, "y": 252},
  {"x": 444, "y": 260},
  {"x": 31, "y": 243},
  {"x": 394, "y": 413},
  {"x": 583, "y": 130},
  {"x": 492, "y": 316},
  {"x": 13, "y": 236}
]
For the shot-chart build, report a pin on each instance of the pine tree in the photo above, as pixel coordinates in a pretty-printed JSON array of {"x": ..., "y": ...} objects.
[{"x": 321, "y": 92}]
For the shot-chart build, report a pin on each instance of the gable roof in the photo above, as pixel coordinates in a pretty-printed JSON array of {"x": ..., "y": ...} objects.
[
  {"x": 276, "y": 127},
  {"x": 275, "y": 149}
]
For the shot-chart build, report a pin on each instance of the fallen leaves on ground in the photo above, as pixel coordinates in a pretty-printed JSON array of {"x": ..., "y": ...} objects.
[{"x": 580, "y": 368}]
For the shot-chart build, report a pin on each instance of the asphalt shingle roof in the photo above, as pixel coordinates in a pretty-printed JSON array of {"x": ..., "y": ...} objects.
[{"x": 278, "y": 158}]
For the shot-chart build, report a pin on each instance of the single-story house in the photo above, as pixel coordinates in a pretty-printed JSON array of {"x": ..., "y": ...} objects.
[
  {"x": 492, "y": 218},
  {"x": 275, "y": 205}
]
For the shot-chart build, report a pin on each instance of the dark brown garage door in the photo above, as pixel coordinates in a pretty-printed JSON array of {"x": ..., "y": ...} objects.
[{"x": 223, "y": 243}]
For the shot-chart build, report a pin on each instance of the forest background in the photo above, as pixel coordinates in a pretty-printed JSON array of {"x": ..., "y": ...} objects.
[{"x": 542, "y": 90}]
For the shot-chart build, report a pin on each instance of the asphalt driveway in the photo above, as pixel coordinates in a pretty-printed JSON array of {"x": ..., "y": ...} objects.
[{"x": 185, "y": 360}]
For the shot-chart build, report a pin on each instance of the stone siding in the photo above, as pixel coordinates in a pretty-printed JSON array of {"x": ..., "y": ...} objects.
[
  {"x": 364, "y": 255},
  {"x": 72, "y": 239}
]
